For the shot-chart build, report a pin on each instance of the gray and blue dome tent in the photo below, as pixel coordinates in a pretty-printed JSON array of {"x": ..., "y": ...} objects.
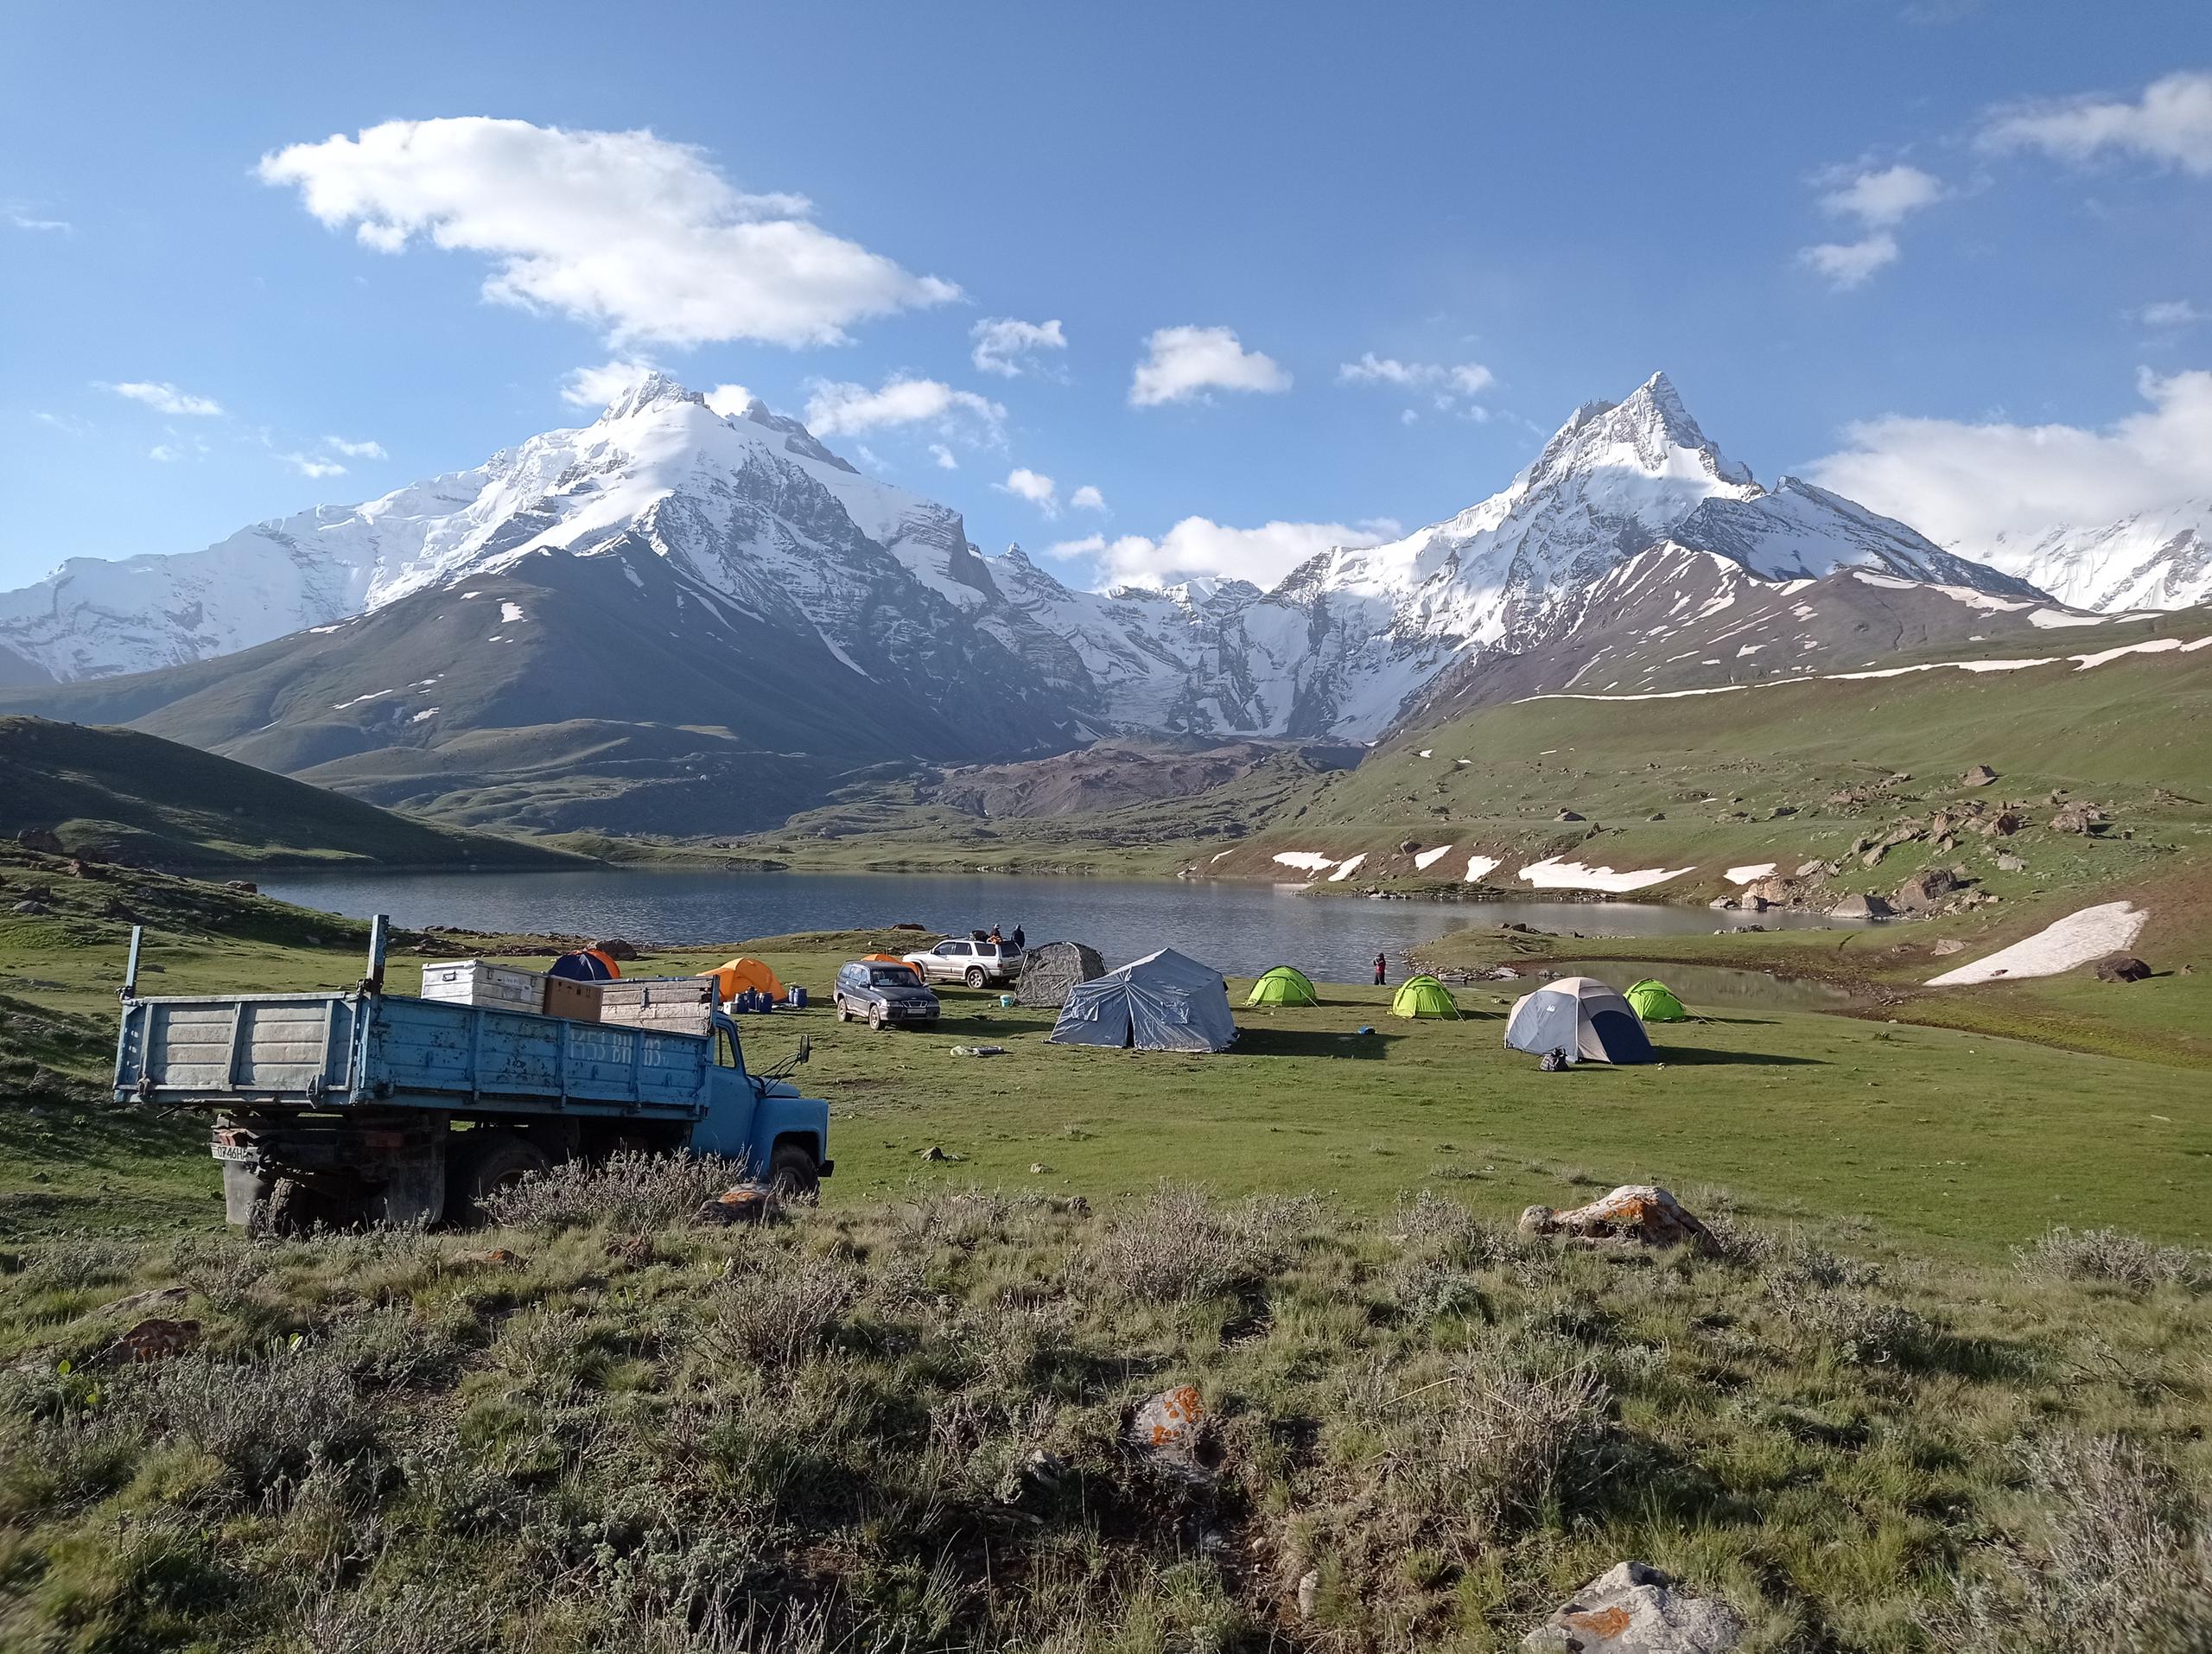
[
  {"x": 1581, "y": 1016},
  {"x": 1164, "y": 1001}
]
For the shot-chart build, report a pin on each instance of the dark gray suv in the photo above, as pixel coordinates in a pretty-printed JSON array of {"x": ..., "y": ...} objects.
[{"x": 884, "y": 995}]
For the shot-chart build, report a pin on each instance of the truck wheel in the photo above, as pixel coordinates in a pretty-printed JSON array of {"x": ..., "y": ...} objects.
[
  {"x": 976, "y": 977},
  {"x": 792, "y": 1176},
  {"x": 875, "y": 1018},
  {"x": 290, "y": 1210},
  {"x": 843, "y": 1014},
  {"x": 502, "y": 1160}
]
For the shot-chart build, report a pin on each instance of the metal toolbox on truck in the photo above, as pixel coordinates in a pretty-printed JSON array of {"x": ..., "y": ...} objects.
[
  {"x": 669, "y": 1004},
  {"x": 480, "y": 981},
  {"x": 576, "y": 1000}
]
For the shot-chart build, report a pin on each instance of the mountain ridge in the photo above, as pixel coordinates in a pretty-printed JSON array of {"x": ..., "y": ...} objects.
[{"x": 825, "y": 620}]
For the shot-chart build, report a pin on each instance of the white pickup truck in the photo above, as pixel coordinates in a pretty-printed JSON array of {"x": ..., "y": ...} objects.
[{"x": 979, "y": 964}]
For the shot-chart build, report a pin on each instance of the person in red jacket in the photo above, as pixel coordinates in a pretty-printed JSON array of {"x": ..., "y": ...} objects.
[{"x": 1381, "y": 969}]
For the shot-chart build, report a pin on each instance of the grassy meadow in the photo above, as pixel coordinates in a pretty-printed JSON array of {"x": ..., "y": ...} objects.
[{"x": 1938, "y": 1382}]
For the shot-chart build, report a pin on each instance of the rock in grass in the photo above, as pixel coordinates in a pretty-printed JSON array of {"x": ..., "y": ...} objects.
[
  {"x": 154, "y": 1339},
  {"x": 1925, "y": 888},
  {"x": 1633, "y": 1608},
  {"x": 749, "y": 1203},
  {"x": 1861, "y": 906},
  {"x": 2121, "y": 967},
  {"x": 1980, "y": 775},
  {"x": 1636, "y": 1211},
  {"x": 1173, "y": 1432}
]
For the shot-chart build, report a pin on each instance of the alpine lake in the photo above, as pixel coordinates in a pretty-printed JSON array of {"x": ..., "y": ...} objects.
[{"x": 1240, "y": 928}]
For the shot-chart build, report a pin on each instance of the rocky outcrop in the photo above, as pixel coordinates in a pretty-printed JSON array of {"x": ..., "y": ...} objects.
[
  {"x": 1633, "y": 1608},
  {"x": 1859, "y": 905},
  {"x": 2120, "y": 967},
  {"x": 1635, "y": 1211},
  {"x": 1925, "y": 889},
  {"x": 1173, "y": 1432}
]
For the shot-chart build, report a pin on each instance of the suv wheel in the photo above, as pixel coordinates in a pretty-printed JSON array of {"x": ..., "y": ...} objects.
[
  {"x": 976, "y": 976},
  {"x": 844, "y": 1012}
]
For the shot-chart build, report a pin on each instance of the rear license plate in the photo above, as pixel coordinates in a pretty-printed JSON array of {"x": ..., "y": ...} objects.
[{"x": 243, "y": 1153}]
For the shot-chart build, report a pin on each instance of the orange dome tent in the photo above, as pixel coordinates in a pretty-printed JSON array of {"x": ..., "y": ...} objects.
[{"x": 741, "y": 973}]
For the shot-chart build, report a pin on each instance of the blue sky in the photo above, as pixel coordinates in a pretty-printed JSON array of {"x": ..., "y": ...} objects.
[{"x": 1488, "y": 214}]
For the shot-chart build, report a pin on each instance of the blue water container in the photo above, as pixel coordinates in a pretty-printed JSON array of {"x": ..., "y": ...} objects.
[{"x": 797, "y": 997}]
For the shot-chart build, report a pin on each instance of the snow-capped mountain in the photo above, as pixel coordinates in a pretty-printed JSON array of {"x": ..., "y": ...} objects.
[
  {"x": 2159, "y": 559},
  {"x": 668, "y": 568},
  {"x": 1339, "y": 645}
]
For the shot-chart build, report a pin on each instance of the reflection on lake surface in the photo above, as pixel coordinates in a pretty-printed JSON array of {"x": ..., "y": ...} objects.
[{"x": 1240, "y": 928}]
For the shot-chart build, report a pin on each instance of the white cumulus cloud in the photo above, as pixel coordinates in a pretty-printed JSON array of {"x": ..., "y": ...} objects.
[
  {"x": 2170, "y": 314},
  {"x": 1848, "y": 264},
  {"x": 309, "y": 465},
  {"x": 1445, "y": 384},
  {"x": 1008, "y": 349},
  {"x": 1962, "y": 482},
  {"x": 166, "y": 398},
  {"x": 943, "y": 456},
  {"x": 626, "y": 231},
  {"x": 594, "y": 387},
  {"x": 1185, "y": 362},
  {"x": 164, "y": 453},
  {"x": 1034, "y": 487},
  {"x": 1882, "y": 200},
  {"x": 842, "y": 409},
  {"x": 1200, "y": 548},
  {"x": 1087, "y": 497},
  {"x": 355, "y": 450},
  {"x": 2170, "y": 123},
  {"x": 729, "y": 400}
]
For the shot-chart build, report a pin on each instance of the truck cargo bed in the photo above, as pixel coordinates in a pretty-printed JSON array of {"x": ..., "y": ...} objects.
[{"x": 306, "y": 1050}]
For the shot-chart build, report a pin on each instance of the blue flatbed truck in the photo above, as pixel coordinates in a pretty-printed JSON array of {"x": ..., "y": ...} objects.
[{"x": 358, "y": 1106}]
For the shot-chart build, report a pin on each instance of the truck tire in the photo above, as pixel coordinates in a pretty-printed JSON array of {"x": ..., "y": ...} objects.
[
  {"x": 976, "y": 977},
  {"x": 875, "y": 1018},
  {"x": 290, "y": 1210},
  {"x": 500, "y": 1161},
  {"x": 844, "y": 1012},
  {"x": 792, "y": 1176}
]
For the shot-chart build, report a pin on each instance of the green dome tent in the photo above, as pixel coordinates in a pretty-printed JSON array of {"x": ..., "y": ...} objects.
[
  {"x": 1655, "y": 1001},
  {"x": 1284, "y": 985},
  {"x": 1423, "y": 997}
]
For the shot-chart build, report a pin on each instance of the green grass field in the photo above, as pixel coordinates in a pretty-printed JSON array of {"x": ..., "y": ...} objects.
[{"x": 1936, "y": 1386}]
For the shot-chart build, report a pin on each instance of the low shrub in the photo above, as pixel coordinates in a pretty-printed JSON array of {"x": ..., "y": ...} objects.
[
  {"x": 2113, "y": 1255},
  {"x": 630, "y": 1192}
]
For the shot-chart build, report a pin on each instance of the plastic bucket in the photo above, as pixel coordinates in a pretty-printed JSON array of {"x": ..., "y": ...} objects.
[{"x": 1006, "y": 1002}]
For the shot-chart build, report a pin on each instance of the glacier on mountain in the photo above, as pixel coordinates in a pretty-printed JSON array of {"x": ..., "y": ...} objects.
[
  {"x": 2155, "y": 559},
  {"x": 751, "y": 510}
]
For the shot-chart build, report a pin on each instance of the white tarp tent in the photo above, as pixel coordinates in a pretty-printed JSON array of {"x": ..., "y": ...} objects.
[{"x": 1163, "y": 1001}]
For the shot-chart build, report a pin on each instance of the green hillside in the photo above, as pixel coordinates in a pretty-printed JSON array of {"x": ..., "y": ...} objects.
[
  {"x": 1707, "y": 782},
  {"x": 124, "y": 796}
]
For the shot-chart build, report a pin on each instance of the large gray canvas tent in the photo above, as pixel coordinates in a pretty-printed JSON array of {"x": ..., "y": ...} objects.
[
  {"x": 1163, "y": 1001},
  {"x": 1049, "y": 971},
  {"x": 1580, "y": 1016}
]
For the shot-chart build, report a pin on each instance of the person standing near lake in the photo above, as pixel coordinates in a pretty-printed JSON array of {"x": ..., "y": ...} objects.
[
  {"x": 1381, "y": 970},
  {"x": 1020, "y": 942}
]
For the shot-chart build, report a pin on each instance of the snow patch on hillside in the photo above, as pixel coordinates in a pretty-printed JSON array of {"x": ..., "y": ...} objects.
[
  {"x": 1554, "y": 873},
  {"x": 2075, "y": 940}
]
